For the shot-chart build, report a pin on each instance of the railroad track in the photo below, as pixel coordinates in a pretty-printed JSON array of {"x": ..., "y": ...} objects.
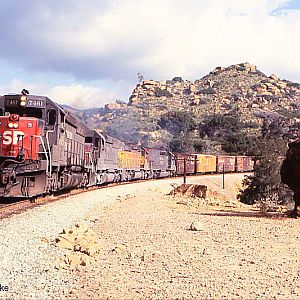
[{"x": 14, "y": 206}]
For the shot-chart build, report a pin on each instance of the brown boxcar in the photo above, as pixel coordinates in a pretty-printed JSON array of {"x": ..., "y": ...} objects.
[
  {"x": 190, "y": 161},
  {"x": 244, "y": 163},
  {"x": 227, "y": 162}
]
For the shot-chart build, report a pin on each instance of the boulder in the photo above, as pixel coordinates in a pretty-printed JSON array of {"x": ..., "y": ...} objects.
[
  {"x": 150, "y": 82},
  {"x": 119, "y": 249},
  {"x": 196, "y": 226},
  {"x": 156, "y": 254},
  {"x": 63, "y": 243},
  {"x": 192, "y": 88},
  {"x": 248, "y": 67},
  {"x": 79, "y": 238},
  {"x": 274, "y": 77},
  {"x": 194, "y": 190},
  {"x": 71, "y": 260},
  {"x": 208, "y": 91}
]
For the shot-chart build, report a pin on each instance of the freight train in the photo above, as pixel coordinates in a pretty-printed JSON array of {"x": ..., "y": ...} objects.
[{"x": 44, "y": 149}]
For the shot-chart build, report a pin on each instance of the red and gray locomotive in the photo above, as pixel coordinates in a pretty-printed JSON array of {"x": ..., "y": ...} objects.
[{"x": 43, "y": 148}]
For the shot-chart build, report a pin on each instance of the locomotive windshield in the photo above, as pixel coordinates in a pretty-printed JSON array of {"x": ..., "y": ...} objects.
[
  {"x": 25, "y": 111},
  {"x": 24, "y": 105}
]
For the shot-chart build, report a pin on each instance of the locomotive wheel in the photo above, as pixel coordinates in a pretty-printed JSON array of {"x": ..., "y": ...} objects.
[{"x": 118, "y": 178}]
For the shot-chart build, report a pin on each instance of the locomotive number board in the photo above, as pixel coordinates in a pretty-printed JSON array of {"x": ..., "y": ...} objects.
[
  {"x": 12, "y": 102},
  {"x": 29, "y": 102},
  {"x": 35, "y": 103}
]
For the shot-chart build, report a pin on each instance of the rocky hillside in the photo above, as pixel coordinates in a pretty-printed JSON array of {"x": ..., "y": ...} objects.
[{"x": 237, "y": 102}]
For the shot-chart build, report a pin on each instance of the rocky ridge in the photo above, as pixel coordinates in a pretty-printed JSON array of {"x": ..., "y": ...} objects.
[
  {"x": 242, "y": 86},
  {"x": 238, "y": 90}
]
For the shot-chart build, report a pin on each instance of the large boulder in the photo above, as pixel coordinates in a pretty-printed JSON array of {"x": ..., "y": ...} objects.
[{"x": 194, "y": 190}]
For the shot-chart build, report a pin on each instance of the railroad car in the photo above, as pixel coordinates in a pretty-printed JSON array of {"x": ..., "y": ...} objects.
[
  {"x": 43, "y": 148},
  {"x": 244, "y": 163},
  {"x": 162, "y": 162},
  {"x": 206, "y": 163},
  {"x": 130, "y": 160},
  {"x": 225, "y": 163},
  {"x": 189, "y": 160}
]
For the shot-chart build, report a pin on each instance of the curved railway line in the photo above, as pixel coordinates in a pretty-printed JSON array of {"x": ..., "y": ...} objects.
[{"x": 10, "y": 206}]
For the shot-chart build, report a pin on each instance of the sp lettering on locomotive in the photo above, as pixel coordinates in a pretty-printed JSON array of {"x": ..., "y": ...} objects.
[{"x": 12, "y": 137}]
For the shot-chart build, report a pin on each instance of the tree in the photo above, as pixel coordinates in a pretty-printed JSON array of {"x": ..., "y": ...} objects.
[
  {"x": 229, "y": 131},
  {"x": 177, "y": 122},
  {"x": 181, "y": 125},
  {"x": 273, "y": 126},
  {"x": 140, "y": 77},
  {"x": 264, "y": 186}
]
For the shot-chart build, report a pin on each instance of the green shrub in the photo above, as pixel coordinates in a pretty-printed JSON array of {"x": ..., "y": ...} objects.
[{"x": 264, "y": 187}]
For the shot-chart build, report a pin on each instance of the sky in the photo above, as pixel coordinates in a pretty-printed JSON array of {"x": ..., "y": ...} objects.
[{"x": 88, "y": 53}]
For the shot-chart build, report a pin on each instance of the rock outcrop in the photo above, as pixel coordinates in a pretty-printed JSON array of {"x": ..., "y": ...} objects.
[{"x": 239, "y": 89}]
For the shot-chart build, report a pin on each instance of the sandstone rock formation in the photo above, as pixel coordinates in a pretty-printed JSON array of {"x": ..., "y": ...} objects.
[{"x": 81, "y": 241}]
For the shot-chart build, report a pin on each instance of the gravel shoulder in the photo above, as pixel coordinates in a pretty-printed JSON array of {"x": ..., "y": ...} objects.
[{"x": 237, "y": 254}]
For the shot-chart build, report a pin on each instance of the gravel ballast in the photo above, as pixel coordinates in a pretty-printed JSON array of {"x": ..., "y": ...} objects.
[{"x": 234, "y": 254}]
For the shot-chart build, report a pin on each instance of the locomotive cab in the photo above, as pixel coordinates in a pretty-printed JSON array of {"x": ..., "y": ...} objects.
[{"x": 25, "y": 158}]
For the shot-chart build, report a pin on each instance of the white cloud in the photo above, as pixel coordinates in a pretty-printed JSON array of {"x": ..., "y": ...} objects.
[
  {"x": 113, "y": 40},
  {"x": 81, "y": 96},
  {"x": 75, "y": 95}
]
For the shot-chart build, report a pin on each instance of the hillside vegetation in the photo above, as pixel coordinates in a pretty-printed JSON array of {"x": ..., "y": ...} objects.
[{"x": 225, "y": 111}]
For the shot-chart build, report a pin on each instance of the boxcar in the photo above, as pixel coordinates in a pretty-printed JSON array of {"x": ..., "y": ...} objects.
[
  {"x": 190, "y": 161},
  {"x": 206, "y": 163},
  {"x": 225, "y": 162},
  {"x": 244, "y": 163}
]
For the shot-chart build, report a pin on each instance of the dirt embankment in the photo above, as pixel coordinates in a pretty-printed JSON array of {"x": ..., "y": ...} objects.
[{"x": 148, "y": 250}]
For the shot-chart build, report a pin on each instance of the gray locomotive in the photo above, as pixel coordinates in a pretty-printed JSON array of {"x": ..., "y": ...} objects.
[{"x": 43, "y": 148}]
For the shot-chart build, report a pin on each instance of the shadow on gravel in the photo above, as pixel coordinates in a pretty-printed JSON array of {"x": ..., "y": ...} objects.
[
  {"x": 247, "y": 214},
  {"x": 9, "y": 200}
]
